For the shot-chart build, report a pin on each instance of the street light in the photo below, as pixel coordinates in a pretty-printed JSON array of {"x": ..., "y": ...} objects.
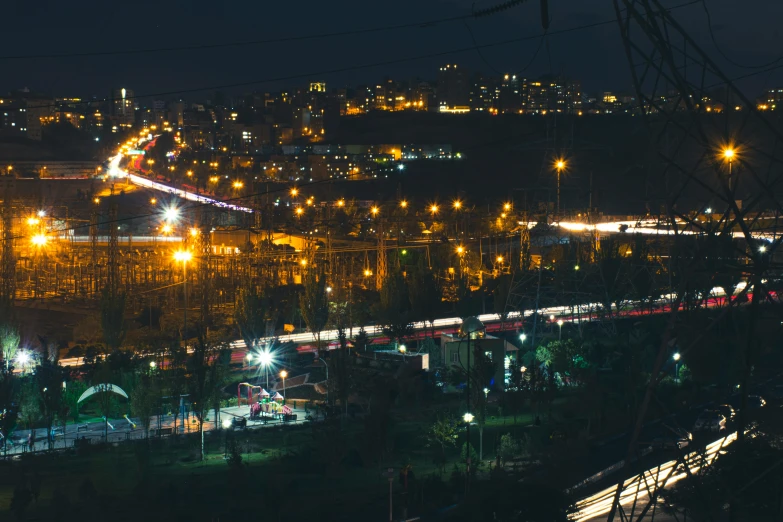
[
  {"x": 238, "y": 185},
  {"x": 153, "y": 364},
  {"x": 171, "y": 214},
  {"x": 471, "y": 326},
  {"x": 507, "y": 207},
  {"x": 560, "y": 165},
  {"x": 460, "y": 250},
  {"x": 457, "y": 204},
  {"x": 434, "y": 209},
  {"x": 374, "y": 211},
  {"x": 283, "y": 374},
  {"x": 560, "y": 333},
  {"x": 265, "y": 358},
  {"x": 39, "y": 240},
  {"x": 226, "y": 423},
  {"x": 294, "y": 192},
  {"x": 676, "y": 356},
  {"x": 522, "y": 337},
  {"x": 403, "y": 204},
  {"x": 184, "y": 256}
]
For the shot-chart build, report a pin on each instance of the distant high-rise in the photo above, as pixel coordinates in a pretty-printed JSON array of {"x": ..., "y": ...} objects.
[
  {"x": 123, "y": 106},
  {"x": 453, "y": 89},
  {"x": 510, "y": 96}
]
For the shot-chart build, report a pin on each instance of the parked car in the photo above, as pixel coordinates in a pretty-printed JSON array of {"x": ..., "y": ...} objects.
[
  {"x": 673, "y": 438},
  {"x": 710, "y": 420},
  {"x": 727, "y": 411}
]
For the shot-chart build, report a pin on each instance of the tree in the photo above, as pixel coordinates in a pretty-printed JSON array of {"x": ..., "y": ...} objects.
[
  {"x": 442, "y": 434},
  {"x": 500, "y": 297},
  {"x": 113, "y": 318},
  {"x": 314, "y": 303},
  {"x": 424, "y": 293},
  {"x": 50, "y": 378},
  {"x": 393, "y": 310},
  {"x": 250, "y": 315},
  {"x": 29, "y": 407},
  {"x": 74, "y": 390},
  {"x": 206, "y": 378},
  {"x": 9, "y": 343},
  {"x": 144, "y": 399}
]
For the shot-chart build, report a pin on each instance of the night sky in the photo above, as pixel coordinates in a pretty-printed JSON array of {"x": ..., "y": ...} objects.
[{"x": 749, "y": 35}]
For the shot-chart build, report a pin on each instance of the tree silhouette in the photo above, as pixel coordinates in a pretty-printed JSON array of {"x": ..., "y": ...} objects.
[
  {"x": 113, "y": 318},
  {"x": 314, "y": 303},
  {"x": 393, "y": 310}
]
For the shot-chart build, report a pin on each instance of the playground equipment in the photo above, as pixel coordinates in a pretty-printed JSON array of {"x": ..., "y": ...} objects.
[
  {"x": 250, "y": 389},
  {"x": 262, "y": 405}
]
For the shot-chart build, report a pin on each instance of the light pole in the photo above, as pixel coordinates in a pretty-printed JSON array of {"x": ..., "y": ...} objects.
[
  {"x": 560, "y": 332},
  {"x": 560, "y": 164},
  {"x": 728, "y": 155},
  {"x": 676, "y": 358},
  {"x": 327, "y": 379},
  {"x": 265, "y": 358},
  {"x": 184, "y": 256},
  {"x": 469, "y": 327},
  {"x": 283, "y": 374}
]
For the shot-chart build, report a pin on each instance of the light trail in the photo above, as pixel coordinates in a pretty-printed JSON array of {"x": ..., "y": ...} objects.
[
  {"x": 117, "y": 172},
  {"x": 657, "y": 477}
]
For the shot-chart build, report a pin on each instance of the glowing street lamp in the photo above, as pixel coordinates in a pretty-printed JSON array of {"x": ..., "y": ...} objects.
[
  {"x": 238, "y": 184},
  {"x": 499, "y": 259},
  {"x": 375, "y": 211},
  {"x": 468, "y": 418},
  {"x": 341, "y": 203},
  {"x": 153, "y": 201},
  {"x": 460, "y": 250},
  {"x": 507, "y": 207},
  {"x": 32, "y": 221},
  {"x": 226, "y": 423},
  {"x": 39, "y": 240},
  {"x": 283, "y": 375},
  {"x": 433, "y": 209},
  {"x": 194, "y": 231},
  {"x": 403, "y": 204},
  {"x": 560, "y": 165},
  {"x": 676, "y": 356},
  {"x": 171, "y": 214},
  {"x": 560, "y": 332},
  {"x": 728, "y": 154},
  {"x": 522, "y": 337},
  {"x": 299, "y": 211},
  {"x": 294, "y": 192},
  {"x": 457, "y": 204},
  {"x": 96, "y": 201},
  {"x": 265, "y": 358}
]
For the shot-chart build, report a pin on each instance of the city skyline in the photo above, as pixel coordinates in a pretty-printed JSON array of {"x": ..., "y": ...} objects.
[{"x": 585, "y": 52}]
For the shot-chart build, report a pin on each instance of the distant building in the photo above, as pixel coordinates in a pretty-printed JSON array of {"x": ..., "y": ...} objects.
[
  {"x": 123, "y": 107},
  {"x": 453, "y": 89},
  {"x": 510, "y": 94}
]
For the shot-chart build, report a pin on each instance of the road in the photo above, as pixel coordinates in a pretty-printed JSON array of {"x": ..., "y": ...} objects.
[{"x": 122, "y": 430}]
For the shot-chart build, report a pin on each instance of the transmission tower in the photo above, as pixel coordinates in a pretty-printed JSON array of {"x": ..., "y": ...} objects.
[
  {"x": 113, "y": 253},
  {"x": 8, "y": 288},
  {"x": 707, "y": 144},
  {"x": 382, "y": 262},
  {"x": 205, "y": 274},
  {"x": 94, "y": 250}
]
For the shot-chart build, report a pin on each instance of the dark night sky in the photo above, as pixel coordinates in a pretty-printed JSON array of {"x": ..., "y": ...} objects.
[{"x": 750, "y": 35}]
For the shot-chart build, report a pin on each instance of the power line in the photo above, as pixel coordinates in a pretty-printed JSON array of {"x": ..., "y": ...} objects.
[{"x": 425, "y": 24}]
